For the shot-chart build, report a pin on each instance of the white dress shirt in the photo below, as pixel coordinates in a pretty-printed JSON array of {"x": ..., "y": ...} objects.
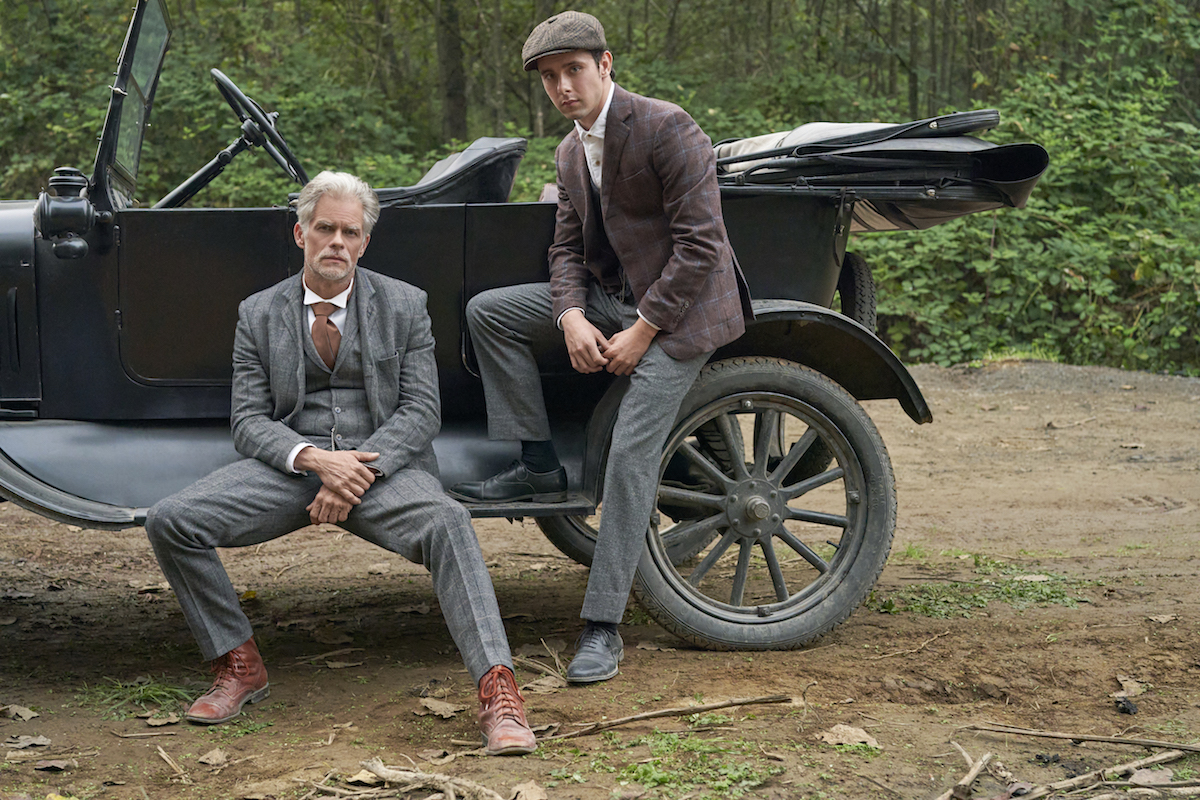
[{"x": 338, "y": 318}]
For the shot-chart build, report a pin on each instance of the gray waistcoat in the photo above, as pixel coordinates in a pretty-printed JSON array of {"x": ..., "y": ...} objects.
[{"x": 335, "y": 404}]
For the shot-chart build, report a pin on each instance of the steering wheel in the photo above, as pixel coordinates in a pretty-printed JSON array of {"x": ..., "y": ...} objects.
[{"x": 262, "y": 127}]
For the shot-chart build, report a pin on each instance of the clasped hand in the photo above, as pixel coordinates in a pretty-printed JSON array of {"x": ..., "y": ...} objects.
[
  {"x": 344, "y": 480},
  {"x": 591, "y": 351}
]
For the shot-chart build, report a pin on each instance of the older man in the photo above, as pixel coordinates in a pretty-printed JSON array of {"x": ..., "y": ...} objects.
[
  {"x": 335, "y": 407},
  {"x": 643, "y": 283}
]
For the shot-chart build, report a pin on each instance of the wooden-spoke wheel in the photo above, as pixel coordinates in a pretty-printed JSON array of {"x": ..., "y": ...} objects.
[{"x": 781, "y": 507}]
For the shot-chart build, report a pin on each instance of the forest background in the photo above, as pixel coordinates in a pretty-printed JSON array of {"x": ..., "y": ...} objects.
[{"x": 1101, "y": 267}]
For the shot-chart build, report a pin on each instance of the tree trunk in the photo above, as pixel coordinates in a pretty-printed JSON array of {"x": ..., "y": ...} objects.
[
  {"x": 450, "y": 70},
  {"x": 539, "y": 102},
  {"x": 913, "y": 88}
]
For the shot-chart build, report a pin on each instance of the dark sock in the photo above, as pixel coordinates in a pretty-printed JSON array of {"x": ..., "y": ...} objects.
[
  {"x": 611, "y": 627},
  {"x": 539, "y": 456}
]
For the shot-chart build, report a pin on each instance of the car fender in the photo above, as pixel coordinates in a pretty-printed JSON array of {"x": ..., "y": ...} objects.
[{"x": 809, "y": 334}]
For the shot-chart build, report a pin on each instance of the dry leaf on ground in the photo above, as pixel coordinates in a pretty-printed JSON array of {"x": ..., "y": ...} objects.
[
  {"x": 440, "y": 707},
  {"x": 55, "y": 766},
  {"x": 528, "y": 791},
  {"x": 158, "y": 722},
  {"x": 844, "y": 734},
  {"x": 364, "y": 778},
  {"x": 662, "y": 648},
  {"x": 1162, "y": 619},
  {"x": 547, "y": 684},
  {"x": 343, "y": 664},
  {"x": 25, "y": 742},
  {"x": 436, "y": 757},
  {"x": 215, "y": 758},
  {"x": 19, "y": 712},
  {"x": 1130, "y": 687}
]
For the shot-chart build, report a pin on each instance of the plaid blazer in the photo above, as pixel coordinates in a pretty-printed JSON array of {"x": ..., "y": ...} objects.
[{"x": 662, "y": 212}]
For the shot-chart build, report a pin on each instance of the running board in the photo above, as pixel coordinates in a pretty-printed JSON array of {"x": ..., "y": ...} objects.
[{"x": 577, "y": 504}]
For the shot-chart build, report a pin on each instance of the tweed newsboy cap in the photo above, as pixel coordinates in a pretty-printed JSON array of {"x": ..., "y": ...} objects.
[{"x": 563, "y": 33}]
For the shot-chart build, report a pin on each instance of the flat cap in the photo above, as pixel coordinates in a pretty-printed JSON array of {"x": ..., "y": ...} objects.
[{"x": 563, "y": 33}]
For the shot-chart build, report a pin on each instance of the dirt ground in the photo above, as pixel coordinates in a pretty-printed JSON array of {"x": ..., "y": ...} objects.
[{"x": 1081, "y": 480}]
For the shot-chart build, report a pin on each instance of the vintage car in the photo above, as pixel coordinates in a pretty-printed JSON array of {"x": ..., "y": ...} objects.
[{"x": 776, "y": 502}]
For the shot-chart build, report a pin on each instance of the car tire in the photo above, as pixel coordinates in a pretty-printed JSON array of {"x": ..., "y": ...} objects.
[
  {"x": 834, "y": 528},
  {"x": 856, "y": 288}
]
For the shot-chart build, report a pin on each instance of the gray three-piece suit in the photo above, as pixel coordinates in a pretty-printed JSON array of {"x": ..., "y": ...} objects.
[{"x": 381, "y": 396}]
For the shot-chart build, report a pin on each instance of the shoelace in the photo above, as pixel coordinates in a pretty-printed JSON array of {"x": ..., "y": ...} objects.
[
  {"x": 498, "y": 696},
  {"x": 590, "y": 635},
  {"x": 227, "y": 669}
]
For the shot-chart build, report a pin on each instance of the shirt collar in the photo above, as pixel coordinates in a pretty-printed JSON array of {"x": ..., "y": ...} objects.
[
  {"x": 601, "y": 122},
  {"x": 341, "y": 299}
]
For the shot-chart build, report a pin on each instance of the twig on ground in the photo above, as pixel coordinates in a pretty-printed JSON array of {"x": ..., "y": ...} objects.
[
  {"x": 303, "y": 560},
  {"x": 883, "y": 786},
  {"x": 412, "y": 780},
  {"x": 963, "y": 787},
  {"x": 996, "y": 727},
  {"x": 179, "y": 771},
  {"x": 596, "y": 727},
  {"x": 142, "y": 735},
  {"x": 970, "y": 761},
  {"x": 554, "y": 654},
  {"x": 924, "y": 644},
  {"x": 536, "y": 666}
]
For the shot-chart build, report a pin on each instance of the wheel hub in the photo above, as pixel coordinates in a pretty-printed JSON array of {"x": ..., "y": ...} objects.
[{"x": 755, "y": 509}]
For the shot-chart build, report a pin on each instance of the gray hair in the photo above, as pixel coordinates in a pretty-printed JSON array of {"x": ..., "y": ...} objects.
[{"x": 342, "y": 185}]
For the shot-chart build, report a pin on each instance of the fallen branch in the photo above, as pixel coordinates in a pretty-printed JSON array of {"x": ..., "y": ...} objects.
[
  {"x": 596, "y": 727},
  {"x": 925, "y": 644},
  {"x": 179, "y": 771},
  {"x": 962, "y": 789},
  {"x": 142, "y": 735},
  {"x": 1097, "y": 776},
  {"x": 536, "y": 666},
  {"x": 883, "y": 786},
  {"x": 995, "y": 727},
  {"x": 413, "y": 780},
  {"x": 970, "y": 761}
]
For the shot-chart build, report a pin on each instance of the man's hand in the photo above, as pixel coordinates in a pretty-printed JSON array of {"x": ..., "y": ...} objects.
[
  {"x": 342, "y": 471},
  {"x": 585, "y": 342},
  {"x": 626, "y": 348},
  {"x": 328, "y": 506}
]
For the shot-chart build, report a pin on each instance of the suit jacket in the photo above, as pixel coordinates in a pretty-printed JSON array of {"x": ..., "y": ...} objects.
[
  {"x": 662, "y": 212},
  {"x": 399, "y": 372}
]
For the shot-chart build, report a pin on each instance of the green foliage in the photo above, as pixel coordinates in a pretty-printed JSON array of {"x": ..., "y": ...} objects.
[
  {"x": 712, "y": 768},
  {"x": 117, "y": 699},
  {"x": 1001, "y": 582},
  {"x": 1102, "y": 267}
]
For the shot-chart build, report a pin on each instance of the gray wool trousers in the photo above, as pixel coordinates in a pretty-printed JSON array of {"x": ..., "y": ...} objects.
[
  {"x": 504, "y": 324},
  {"x": 249, "y": 502}
]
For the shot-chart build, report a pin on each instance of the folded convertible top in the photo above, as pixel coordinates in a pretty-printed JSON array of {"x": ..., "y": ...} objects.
[{"x": 908, "y": 176}]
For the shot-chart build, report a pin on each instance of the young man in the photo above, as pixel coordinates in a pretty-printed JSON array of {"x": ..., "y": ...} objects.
[
  {"x": 335, "y": 406},
  {"x": 643, "y": 283}
]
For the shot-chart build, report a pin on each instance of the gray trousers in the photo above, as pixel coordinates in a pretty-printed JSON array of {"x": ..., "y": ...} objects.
[
  {"x": 504, "y": 324},
  {"x": 249, "y": 502}
]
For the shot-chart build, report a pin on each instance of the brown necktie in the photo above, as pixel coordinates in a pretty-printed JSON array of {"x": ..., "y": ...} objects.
[{"x": 326, "y": 335}]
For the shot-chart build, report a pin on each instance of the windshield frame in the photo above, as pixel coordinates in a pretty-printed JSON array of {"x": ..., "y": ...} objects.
[{"x": 114, "y": 177}]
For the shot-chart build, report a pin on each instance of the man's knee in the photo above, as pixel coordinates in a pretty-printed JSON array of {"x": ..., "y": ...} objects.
[
  {"x": 163, "y": 518},
  {"x": 479, "y": 307}
]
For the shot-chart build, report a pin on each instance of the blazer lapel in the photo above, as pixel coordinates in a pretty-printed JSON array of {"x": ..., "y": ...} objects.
[
  {"x": 363, "y": 298},
  {"x": 616, "y": 134},
  {"x": 287, "y": 350}
]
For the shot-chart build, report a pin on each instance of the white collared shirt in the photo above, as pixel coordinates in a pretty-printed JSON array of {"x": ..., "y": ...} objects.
[
  {"x": 338, "y": 318},
  {"x": 593, "y": 140},
  {"x": 341, "y": 300}
]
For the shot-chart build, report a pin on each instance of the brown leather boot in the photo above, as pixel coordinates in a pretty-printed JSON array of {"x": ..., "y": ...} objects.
[
  {"x": 502, "y": 715},
  {"x": 241, "y": 678}
]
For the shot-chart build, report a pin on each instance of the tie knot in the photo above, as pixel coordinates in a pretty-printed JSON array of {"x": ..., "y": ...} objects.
[{"x": 323, "y": 309}]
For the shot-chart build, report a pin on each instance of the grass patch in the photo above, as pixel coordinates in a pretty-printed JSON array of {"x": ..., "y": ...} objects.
[
  {"x": 124, "y": 699},
  {"x": 999, "y": 582},
  {"x": 912, "y": 552},
  {"x": 702, "y": 768}
]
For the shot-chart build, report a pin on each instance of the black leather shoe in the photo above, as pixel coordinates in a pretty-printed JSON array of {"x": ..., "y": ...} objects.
[
  {"x": 513, "y": 484},
  {"x": 596, "y": 656}
]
